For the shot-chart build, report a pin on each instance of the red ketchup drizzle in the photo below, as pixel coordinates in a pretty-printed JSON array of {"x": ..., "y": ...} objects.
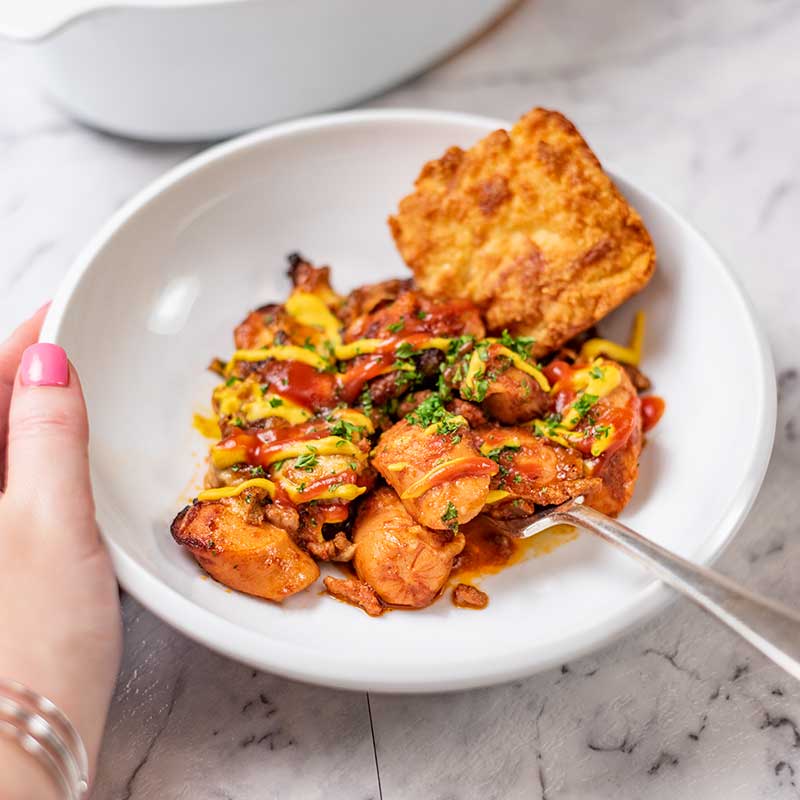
[
  {"x": 301, "y": 383},
  {"x": 260, "y": 446},
  {"x": 559, "y": 373},
  {"x": 361, "y": 370},
  {"x": 368, "y": 366}
]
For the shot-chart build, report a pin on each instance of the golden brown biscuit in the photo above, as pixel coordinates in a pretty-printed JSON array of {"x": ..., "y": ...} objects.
[{"x": 527, "y": 225}]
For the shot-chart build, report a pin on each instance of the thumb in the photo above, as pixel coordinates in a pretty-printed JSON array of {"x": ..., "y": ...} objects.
[{"x": 48, "y": 436}]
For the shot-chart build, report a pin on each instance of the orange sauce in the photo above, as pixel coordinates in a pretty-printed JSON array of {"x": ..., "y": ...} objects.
[{"x": 487, "y": 551}]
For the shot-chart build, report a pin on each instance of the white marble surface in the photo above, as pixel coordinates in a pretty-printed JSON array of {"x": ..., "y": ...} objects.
[{"x": 699, "y": 102}]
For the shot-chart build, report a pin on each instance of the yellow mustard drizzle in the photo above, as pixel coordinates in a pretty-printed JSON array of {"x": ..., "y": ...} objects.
[
  {"x": 598, "y": 385},
  {"x": 521, "y": 364},
  {"x": 283, "y": 352},
  {"x": 245, "y": 398},
  {"x": 508, "y": 441},
  {"x": 354, "y": 418},
  {"x": 224, "y": 457},
  {"x": 346, "y": 491},
  {"x": 234, "y": 491},
  {"x": 310, "y": 310},
  {"x": 360, "y": 347},
  {"x": 206, "y": 426},
  {"x": 597, "y": 379},
  {"x": 476, "y": 367},
  {"x": 631, "y": 354},
  {"x": 496, "y": 495}
]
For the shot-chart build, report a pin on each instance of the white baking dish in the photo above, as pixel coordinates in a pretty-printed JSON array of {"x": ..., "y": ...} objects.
[{"x": 203, "y": 69}]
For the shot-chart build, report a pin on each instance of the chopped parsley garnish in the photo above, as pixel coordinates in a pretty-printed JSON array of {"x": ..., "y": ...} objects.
[
  {"x": 275, "y": 402},
  {"x": 602, "y": 431},
  {"x": 478, "y": 393},
  {"x": 597, "y": 373},
  {"x": 365, "y": 399},
  {"x": 258, "y": 471},
  {"x": 344, "y": 429},
  {"x": 405, "y": 350},
  {"x": 552, "y": 421},
  {"x": 308, "y": 460},
  {"x": 496, "y": 452},
  {"x": 444, "y": 391},
  {"x": 450, "y": 517},
  {"x": 521, "y": 345},
  {"x": 431, "y": 412},
  {"x": 309, "y": 345},
  {"x": 421, "y": 314},
  {"x": 396, "y": 327},
  {"x": 238, "y": 422},
  {"x": 233, "y": 379},
  {"x": 583, "y": 404}
]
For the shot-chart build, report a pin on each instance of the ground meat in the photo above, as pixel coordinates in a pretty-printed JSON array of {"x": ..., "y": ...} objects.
[
  {"x": 471, "y": 413},
  {"x": 368, "y": 299},
  {"x": 356, "y": 593},
  {"x": 466, "y": 596},
  {"x": 340, "y": 548},
  {"x": 281, "y": 516},
  {"x": 412, "y": 401},
  {"x": 428, "y": 363},
  {"x": 387, "y": 387},
  {"x": 639, "y": 380}
]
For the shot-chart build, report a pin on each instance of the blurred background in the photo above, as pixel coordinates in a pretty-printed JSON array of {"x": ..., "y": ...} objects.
[{"x": 697, "y": 102}]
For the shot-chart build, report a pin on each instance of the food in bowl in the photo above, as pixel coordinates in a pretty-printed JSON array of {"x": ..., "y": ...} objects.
[{"x": 376, "y": 430}]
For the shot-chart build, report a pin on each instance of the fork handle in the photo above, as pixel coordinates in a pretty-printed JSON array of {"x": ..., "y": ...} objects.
[{"x": 770, "y": 627}]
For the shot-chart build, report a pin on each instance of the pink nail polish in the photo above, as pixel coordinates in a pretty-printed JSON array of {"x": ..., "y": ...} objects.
[{"x": 44, "y": 364}]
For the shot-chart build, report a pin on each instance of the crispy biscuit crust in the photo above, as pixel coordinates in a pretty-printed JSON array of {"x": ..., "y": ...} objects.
[{"x": 527, "y": 225}]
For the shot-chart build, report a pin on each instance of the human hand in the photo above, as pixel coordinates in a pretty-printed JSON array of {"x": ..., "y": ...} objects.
[{"x": 60, "y": 633}]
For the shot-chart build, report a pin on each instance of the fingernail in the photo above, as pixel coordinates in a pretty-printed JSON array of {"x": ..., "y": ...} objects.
[{"x": 44, "y": 364}]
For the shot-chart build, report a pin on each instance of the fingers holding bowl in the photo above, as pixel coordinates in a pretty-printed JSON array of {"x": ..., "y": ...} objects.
[
  {"x": 48, "y": 436},
  {"x": 10, "y": 356}
]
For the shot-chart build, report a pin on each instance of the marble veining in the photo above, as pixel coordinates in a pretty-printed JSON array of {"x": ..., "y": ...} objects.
[{"x": 697, "y": 101}]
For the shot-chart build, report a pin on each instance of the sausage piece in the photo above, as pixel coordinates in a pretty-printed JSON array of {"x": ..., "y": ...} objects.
[
  {"x": 258, "y": 559},
  {"x": 405, "y": 563}
]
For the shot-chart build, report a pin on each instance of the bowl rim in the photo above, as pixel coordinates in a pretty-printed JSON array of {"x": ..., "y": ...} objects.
[{"x": 247, "y": 646}]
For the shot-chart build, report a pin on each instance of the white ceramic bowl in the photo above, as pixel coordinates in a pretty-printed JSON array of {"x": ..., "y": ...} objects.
[
  {"x": 205, "y": 69},
  {"x": 158, "y": 291}
]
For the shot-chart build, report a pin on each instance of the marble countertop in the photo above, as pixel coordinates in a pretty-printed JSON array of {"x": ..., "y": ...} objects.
[{"x": 699, "y": 103}]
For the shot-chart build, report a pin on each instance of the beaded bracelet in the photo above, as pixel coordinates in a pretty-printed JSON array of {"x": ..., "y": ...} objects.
[{"x": 43, "y": 731}]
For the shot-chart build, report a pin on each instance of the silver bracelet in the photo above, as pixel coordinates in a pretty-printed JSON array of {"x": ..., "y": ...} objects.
[{"x": 43, "y": 731}]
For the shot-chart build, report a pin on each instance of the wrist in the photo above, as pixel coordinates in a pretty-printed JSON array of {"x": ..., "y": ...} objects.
[{"x": 22, "y": 777}]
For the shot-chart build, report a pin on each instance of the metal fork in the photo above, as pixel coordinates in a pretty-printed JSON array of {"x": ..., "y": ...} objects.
[{"x": 770, "y": 627}]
